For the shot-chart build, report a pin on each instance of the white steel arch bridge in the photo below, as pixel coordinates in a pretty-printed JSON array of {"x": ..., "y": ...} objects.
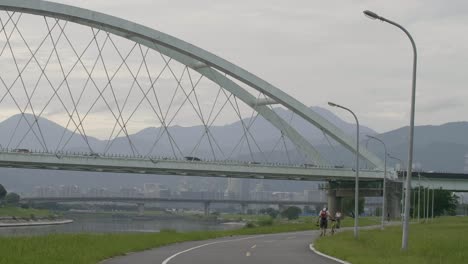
[{"x": 119, "y": 93}]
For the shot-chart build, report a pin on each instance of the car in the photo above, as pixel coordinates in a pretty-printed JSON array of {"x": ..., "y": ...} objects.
[
  {"x": 21, "y": 151},
  {"x": 192, "y": 158},
  {"x": 339, "y": 166},
  {"x": 308, "y": 165},
  {"x": 92, "y": 154}
]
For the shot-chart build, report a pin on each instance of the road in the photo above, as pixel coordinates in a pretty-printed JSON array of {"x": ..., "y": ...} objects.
[{"x": 291, "y": 248}]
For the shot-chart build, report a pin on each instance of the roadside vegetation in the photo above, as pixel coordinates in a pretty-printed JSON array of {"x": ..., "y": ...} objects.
[
  {"x": 441, "y": 241},
  {"x": 10, "y": 207},
  {"x": 23, "y": 212}
]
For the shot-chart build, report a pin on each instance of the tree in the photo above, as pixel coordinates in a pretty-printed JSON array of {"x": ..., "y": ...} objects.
[
  {"x": 12, "y": 198},
  {"x": 269, "y": 211},
  {"x": 445, "y": 202},
  {"x": 3, "y": 192},
  {"x": 348, "y": 205},
  {"x": 291, "y": 212}
]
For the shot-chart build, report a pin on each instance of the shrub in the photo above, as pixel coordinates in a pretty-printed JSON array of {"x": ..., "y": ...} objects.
[
  {"x": 167, "y": 230},
  {"x": 265, "y": 222},
  {"x": 249, "y": 225},
  {"x": 12, "y": 198},
  {"x": 292, "y": 212}
]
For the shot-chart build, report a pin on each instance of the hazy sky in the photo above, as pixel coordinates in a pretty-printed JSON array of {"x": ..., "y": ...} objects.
[{"x": 319, "y": 51}]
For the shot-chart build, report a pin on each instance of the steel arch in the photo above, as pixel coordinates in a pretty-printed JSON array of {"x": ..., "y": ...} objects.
[{"x": 202, "y": 61}]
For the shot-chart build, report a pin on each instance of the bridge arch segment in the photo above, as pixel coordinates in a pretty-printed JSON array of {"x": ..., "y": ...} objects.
[{"x": 204, "y": 62}]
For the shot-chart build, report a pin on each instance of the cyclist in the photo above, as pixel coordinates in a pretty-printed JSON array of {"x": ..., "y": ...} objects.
[
  {"x": 338, "y": 219},
  {"x": 323, "y": 219}
]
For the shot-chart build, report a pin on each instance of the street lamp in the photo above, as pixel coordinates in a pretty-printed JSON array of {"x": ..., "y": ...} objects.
[
  {"x": 426, "y": 213},
  {"x": 356, "y": 184},
  {"x": 384, "y": 179},
  {"x": 404, "y": 240}
]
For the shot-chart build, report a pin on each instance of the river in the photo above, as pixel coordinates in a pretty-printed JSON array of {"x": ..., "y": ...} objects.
[{"x": 107, "y": 223}]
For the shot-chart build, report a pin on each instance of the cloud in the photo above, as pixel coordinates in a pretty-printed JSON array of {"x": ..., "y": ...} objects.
[{"x": 318, "y": 51}]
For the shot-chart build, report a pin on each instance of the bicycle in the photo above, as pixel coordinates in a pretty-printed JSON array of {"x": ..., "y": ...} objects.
[{"x": 333, "y": 226}]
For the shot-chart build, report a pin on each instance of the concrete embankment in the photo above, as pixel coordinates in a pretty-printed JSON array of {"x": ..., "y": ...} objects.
[{"x": 18, "y": 223}]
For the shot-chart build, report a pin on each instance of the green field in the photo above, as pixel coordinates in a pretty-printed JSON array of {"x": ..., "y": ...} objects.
[
  {"x": 443, "y": 241},
  {"x": 347, "y": 222},
  {"x": 23, "y": 213}
]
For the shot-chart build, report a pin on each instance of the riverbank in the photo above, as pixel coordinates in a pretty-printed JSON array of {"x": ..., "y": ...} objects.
[
  {"x": 442, "y": 241},
  {"x": 23, "y": 217},
  {"x": 13, "y": 222}
]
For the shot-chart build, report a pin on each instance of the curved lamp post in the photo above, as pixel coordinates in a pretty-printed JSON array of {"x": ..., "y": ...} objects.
[
  {"x": 356, "y": 184},
  {"x": 404, "y": 240},
  {"x": 384, "y": 180}
]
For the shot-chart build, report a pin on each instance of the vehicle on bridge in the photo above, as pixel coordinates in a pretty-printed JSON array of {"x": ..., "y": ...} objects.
[{"x": 192, "y": 158}]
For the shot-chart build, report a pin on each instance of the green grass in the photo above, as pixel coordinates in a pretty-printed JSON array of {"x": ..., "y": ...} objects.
[
  {"x": 443, "y": 241},
  {"x": 23, "y": 213},
  {"x": 241, "y": 217}
]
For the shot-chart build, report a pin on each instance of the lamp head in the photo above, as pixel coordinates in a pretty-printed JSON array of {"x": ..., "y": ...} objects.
[
  {"x": 371, "y": 14},
  {"x": 332, "y": 104}
]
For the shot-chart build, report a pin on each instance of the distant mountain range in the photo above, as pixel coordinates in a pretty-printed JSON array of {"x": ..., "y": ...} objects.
[
  {"x": 437, "y": 148},
  {"x": 222, "y": 140}
]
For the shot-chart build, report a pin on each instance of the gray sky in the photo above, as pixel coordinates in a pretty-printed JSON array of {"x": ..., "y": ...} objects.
[{"x": 319, "y": 51}]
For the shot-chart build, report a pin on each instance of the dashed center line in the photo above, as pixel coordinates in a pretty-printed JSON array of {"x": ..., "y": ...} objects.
[
  {"x": 291, "y": 237},
  {"x": 254, "y": 246},
  {"x": 208, "y": 244},
  {"x": 247, "y": 254}
]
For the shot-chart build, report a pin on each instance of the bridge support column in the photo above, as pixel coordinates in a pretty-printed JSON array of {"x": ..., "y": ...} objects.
[
  {"x": 393, "y": 200},
  {"x": 244, "y": 208},
  {"x": 141, "y": 208},
  {"x": 332, "y": 201},
  {"x": 206, "y": 208}
]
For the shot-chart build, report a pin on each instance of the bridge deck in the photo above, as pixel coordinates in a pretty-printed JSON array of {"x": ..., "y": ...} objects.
[
  {"x": 179, "y": 167},
  {"x": 161, "y": 199}
]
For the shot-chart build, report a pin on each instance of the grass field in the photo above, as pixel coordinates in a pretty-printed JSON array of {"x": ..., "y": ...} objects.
[
  {"x": 443, "y": 241},
  {"x": 23, "y": 213}
]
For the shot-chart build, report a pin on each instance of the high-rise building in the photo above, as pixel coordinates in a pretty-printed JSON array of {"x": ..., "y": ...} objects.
[
  {"x": 238, "y": 189},
  {"x": 130, "y": 192},
  {"x": 155, "y": 190},
  {"x": 69, "y": 191},
  {"x": 97, "y": 192},
  {"x": 466, "y": 163},
  {"x": 45, "y": 191}
]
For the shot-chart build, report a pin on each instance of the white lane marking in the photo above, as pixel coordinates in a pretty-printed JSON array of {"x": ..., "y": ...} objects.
[
  {"x": 204, "y": 245},
  {"x": 311, "y": 246},
  {"x": 254, "y": 246},
  {"x": 247, "y": 254},
  {"x": 291, "y": 237}
]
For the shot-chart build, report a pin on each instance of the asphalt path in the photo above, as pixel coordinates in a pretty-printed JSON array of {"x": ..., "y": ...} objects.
[{"x": 284, "y": 248}]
